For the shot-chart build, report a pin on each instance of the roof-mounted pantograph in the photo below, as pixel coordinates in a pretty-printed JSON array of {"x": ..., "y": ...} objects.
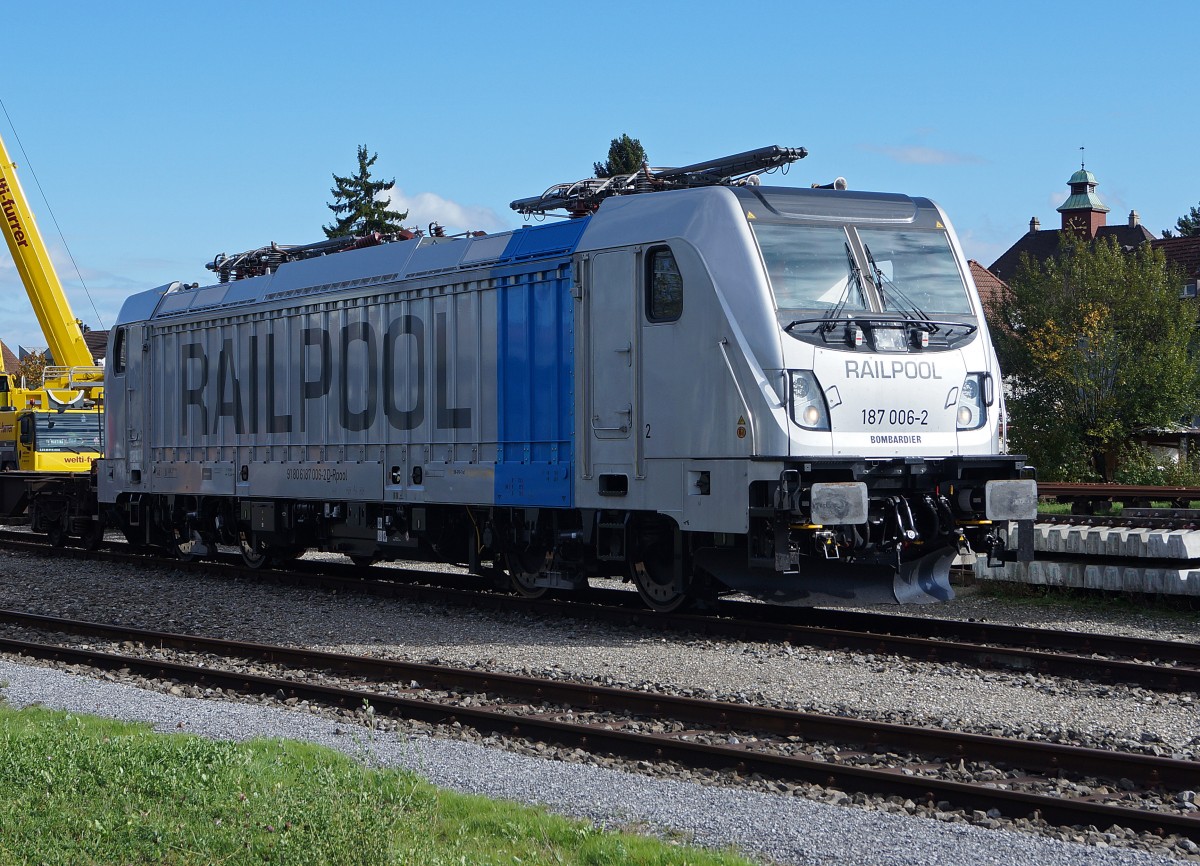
[{"x": 583, "y": 196}]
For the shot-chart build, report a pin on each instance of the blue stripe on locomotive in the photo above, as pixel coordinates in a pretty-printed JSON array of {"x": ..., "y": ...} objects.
[{"x": 535, "y": 370}]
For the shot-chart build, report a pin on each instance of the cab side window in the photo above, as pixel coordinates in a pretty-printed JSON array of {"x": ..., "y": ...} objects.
[
  {"x": 664, "y": 286},
  {"x": 118, "y": 359}
]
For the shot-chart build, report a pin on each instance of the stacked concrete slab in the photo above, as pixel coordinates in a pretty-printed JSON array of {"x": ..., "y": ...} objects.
[{"x": 1107, "y": 557}]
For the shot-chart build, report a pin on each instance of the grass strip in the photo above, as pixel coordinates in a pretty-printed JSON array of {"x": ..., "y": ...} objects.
[{"x": 82, "y": 790}]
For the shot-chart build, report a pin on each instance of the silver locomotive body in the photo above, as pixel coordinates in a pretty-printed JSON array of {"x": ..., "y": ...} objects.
[{"x": 787, "y": 392}]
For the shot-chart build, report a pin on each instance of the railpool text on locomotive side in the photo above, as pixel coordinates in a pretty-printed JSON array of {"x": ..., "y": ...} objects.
[{"x": 241, "y": 392}]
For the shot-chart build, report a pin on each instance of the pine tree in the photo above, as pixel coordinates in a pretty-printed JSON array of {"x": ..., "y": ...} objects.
[
  {"x": 357, "y": 205},
  {"x": 1187, "y": 225},
  {"x": 625, "y": 156}
]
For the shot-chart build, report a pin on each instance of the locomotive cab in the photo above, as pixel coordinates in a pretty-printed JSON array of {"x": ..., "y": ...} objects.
[
  {"x": 807, "y": 390},
  {"x": 892, "y": 391}
]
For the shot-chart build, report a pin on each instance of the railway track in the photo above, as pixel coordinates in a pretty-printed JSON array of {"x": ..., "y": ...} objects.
[
  {"x": 927, "y": 765},
  {"x": 1126, "y": 493},
  {"x": 1170, "y": 666}
]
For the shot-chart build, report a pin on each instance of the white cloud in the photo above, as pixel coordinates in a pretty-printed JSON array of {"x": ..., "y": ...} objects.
[
  {"x": 925, "y": 155},
  {"x": 96, "y": 305},
  {"x": 426, "y": 207}
]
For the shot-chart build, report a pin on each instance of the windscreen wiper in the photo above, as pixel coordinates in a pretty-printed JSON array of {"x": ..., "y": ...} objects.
[
  {"x": 905, "y": 304},
  {"x": 856, "y": 274}
]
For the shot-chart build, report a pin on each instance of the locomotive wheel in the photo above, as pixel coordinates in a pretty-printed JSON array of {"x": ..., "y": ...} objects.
[
  {"x": 523, "y": 569},
  {"x": 92, "y": 536},
  {"x": 179, "y": 525},
  {"x": 257, "y": 555},
  {"x": 362, "y": 561},
  {"x": 56, "y": 532},
  {"x": 187, "y": 544},
  {"x": 661, "y": 586},
  {"x": 252, "y": 552}
]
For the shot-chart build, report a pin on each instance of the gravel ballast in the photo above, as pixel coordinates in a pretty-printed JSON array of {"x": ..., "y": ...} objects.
[
  {"x": 955, "y": 696},
  {"x": 785, "y": 830}
]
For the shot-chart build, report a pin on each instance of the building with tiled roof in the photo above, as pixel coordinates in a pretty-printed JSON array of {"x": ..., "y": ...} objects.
[
  {"x": 97, "y": 343},
  {"x": 9, "y": 358},
  {"x": 1185, "y": 253},
  {"x": 1083, "y": 214},
  {"x": 992, "y": 289}
]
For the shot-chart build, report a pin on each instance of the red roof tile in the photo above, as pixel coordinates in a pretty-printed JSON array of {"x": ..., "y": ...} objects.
[
  {"x": 1184, "y": 252},
  {"x": 97, "y": 343},
  {"x": 1043, "y": 244},
  {"x": 992, "y": 289},
  {"x": 9, "y": 358}
]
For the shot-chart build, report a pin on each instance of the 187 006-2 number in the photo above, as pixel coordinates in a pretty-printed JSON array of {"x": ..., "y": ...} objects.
[{"x": 896, "y": 417}]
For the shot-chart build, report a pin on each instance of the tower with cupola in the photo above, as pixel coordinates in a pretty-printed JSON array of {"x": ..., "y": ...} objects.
[{"x": 1083, "y": 212}]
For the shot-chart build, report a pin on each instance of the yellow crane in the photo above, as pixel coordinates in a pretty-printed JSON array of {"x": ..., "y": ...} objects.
[{"x": 55, "y": 424}]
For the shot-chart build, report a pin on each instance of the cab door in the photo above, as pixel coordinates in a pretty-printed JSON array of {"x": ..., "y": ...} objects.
[
  {"x": 27, "y": 443},
  {"x": 611, "y": 410},
  {"x": 133, "y": 436}
]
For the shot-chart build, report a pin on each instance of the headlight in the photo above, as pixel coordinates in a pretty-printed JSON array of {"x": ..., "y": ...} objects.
[
  {"x": 808, "y": 403},
  {"x": 972, "y": 405}
]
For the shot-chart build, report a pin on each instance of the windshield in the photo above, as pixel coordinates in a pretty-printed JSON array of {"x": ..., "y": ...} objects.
[
  {"x": 809, "y": 267},
  {"x": 916, "y": 269},
  {"x": 66, "y": 432}
]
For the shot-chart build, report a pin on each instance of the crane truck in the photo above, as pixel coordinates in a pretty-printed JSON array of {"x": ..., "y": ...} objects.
[
  {"x": 54, "y": 425},
  {"x": 51, "y": 432}
]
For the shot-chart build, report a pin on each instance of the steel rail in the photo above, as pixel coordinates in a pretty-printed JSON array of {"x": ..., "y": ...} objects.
[
  {"x": 1149, "y": 770},
  {"x": 1040, "y": 651},
  {"x": 1081, "y": 643},
  {"x": 741, "y": 758},
  {"x": 1118, "y": 492}
]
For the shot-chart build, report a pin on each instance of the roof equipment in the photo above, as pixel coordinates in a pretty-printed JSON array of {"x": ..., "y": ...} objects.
[{"x": 584, "y": 196}]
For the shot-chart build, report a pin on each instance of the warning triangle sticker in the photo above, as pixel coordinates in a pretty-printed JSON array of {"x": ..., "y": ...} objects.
[
  {"x": 750, "y": 215},
  {"x": 741, "y": 420}
]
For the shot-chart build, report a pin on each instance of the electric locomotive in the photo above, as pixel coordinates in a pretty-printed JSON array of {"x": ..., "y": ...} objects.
[{"x": 696, "y": 382}]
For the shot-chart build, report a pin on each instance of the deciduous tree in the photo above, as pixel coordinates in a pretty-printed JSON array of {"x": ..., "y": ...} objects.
[
  {"x": 30, "y": 368},
  {"x": 1096, "y": 344}
]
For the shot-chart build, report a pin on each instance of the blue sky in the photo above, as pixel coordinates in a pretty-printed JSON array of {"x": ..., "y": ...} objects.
[{"x": 162, "y": 134}]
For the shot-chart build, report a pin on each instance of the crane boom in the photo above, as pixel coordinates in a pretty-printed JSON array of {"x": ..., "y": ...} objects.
[
  {"x": 70, "y": 398},
  {"x": 63, "y": 334}
]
